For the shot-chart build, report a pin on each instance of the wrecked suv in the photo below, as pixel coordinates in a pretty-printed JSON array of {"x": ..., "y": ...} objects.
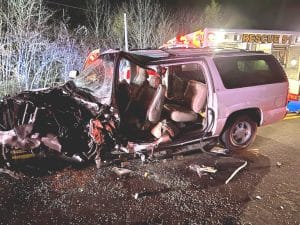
[{"x": 148, "y": 100}]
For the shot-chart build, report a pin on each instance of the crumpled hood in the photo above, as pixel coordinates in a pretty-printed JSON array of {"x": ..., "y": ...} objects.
[{"x": 66, "y": 98}]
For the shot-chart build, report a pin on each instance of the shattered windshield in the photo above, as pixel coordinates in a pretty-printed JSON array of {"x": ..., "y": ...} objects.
[{"x": 97, "y": 79}]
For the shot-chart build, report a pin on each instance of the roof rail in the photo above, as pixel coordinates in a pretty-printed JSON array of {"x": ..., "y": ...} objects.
[{"x": 200, "y": 51}]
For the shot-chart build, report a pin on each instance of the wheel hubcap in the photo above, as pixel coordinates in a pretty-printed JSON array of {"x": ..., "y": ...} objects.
[{"x": 241, "y": 133}]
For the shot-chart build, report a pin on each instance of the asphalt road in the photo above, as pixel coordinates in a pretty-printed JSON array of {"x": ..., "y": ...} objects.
[
  {"x": 166, "y": 191},
  {"x": 279, "y": 189}
]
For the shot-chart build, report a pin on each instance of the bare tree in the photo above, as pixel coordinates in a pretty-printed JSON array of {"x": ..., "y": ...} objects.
[
  {"x": 100, "y": 16},
  {"x": 164, "y": 31},
  {"x": 117, "y": 30},
  {"x": 212, "y": 15},
  {"x": 145, "y": 17},
  {"x": 187, "y": 20},
  {"x": 32, "y": 54}
]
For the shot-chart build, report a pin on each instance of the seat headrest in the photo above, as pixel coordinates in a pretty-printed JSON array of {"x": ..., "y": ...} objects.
[{"x": 195, "y": 95}]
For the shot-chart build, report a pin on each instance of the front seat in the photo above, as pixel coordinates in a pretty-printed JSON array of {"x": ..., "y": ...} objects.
[
  {"x": 155, "y": 108},
  {"x": 194, "y": 100}
]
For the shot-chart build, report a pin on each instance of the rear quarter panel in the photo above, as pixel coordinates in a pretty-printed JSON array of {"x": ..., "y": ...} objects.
[{"x": 270, "y": 99}]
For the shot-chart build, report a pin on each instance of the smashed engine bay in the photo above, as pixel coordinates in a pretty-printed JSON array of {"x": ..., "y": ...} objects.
[{"x": 64, "y": 121}]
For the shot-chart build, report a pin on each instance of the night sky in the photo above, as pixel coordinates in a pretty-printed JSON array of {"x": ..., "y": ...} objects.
[{"x": 255, "y": 14}]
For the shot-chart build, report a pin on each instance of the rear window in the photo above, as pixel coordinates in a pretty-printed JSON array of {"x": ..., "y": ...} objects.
[{"x": 245, "y": 71}]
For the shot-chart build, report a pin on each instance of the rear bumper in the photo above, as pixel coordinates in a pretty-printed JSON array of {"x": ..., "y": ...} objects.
[{"x": 274, "y": 115}]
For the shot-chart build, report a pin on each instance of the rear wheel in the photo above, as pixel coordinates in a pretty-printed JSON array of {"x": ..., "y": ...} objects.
[{"x": 240, "y": 133}]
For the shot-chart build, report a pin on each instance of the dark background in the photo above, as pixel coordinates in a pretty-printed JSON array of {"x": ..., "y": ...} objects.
[{"x": 253, "y": 14}]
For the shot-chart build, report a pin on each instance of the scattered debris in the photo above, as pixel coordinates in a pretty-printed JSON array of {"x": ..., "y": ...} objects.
[
  {"x": 146, "y": 174},
  {"x": 125, "y": 164},
  {"x": 143, "y": 158},
  {"x": 98, "y": 163},
  {"x": 136, "y": 195},
  {"x": 178, "y": 157},
  {"x": 220, "y": 151},
  {"x": 80, "y": 190},
  {"x": 235, "y": 172},
  {"x": 13, "y": 174},
  {"x": 121, "y": 171},
  {"x": 258, "y": 197},
  {"x": 279, "y": 164},
  {"x": 281, "y": 207},
  {"x": 201, "y": 170},
  {"x": 160, "y": 154},
  {"x": 143, "y": 194}
]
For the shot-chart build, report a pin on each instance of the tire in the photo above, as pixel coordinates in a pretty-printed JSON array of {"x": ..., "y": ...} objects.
[{"x": 239, "y": 134}]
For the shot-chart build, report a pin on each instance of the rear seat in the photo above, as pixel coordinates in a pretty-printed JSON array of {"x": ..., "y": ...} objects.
[{"x": 194, "y": 100}]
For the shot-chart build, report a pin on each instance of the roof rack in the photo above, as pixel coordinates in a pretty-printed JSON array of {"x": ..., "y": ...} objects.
[
  {"x": 199, "y": 51},
  {"x": 156, "y": 55}
]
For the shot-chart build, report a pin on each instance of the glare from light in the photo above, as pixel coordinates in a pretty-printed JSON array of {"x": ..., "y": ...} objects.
[
  {"x": 211, "y": 37},
  {"x": 219, "y": 37},
  {"x": 293, "y": 62}
]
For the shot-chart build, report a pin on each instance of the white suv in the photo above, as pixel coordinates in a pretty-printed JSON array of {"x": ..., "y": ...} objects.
[
  {"x": 203, "y": 94},
  {"x": 149, "y": 100}
]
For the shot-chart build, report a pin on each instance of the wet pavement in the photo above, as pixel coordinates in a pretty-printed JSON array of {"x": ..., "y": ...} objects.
[{"x": 165, "y": 191}]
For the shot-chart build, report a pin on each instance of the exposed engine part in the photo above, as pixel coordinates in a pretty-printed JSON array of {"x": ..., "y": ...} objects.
[{"x": 62, "y": 120}]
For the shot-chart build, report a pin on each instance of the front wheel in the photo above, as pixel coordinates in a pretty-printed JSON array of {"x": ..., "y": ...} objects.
[{"x": 239, "y": 134}]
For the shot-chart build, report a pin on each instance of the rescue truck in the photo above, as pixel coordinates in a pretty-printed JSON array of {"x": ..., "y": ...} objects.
[{"x": 284, "y": 45}]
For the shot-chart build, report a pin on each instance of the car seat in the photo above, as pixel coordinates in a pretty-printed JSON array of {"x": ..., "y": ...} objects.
[
  {"x": 155, "y": 108},
  {"x": 194, "y": 100}
]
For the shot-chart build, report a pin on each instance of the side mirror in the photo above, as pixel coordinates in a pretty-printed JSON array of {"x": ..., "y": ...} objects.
[{"x": 73, "y": 74}]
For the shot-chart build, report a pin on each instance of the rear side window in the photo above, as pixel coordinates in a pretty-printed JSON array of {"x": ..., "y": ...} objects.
[{"x": 245, "y": 71}]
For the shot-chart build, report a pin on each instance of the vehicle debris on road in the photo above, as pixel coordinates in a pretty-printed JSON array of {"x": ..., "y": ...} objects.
[
  {"x": 235, "y": 172},
  {"x": 202, "y": 170},
  {"x": 125, "y": 164},
  {"x": 258, "y": 197},
  {"x": 121, "y": 171},
  {"x": 143, "y": 194},
  {"x": 220, "y": 151},
  {"x": 13, "y": 174}
]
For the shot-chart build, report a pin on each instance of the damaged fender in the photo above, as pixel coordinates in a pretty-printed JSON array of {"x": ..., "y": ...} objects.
[{"x": 64, "y": 120}]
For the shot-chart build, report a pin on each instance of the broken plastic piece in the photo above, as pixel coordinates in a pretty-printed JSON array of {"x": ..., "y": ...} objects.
[
  {"x": 77, "y": 158},
  {"x": 201, "y": 170},
  {"x": 133, "y": 147},
  {"x": 235, "y": 172},
  {"x": 136, "y": 195},
  {"x": 124, "y": 164},
  {"x": 143, "y": 158},
  {"x": 142, "y": 194},
  {"x": 121, "y": 171},
  {"x": 13, "y": 174},
  {"x": 98, "y": 163},
  {"x": 258, "y": 197},
  {"x": 220, "y": 151}
]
